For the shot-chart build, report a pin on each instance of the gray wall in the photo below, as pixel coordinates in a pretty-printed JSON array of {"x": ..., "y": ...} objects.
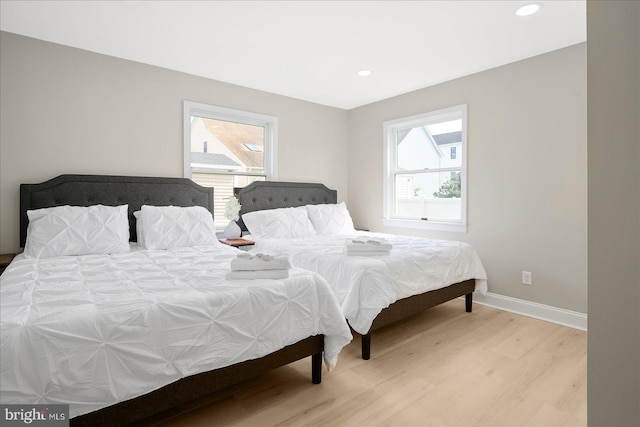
[
  {"x": 66, "y": 110},
  {"x": 613, "y": 34},
  {"x": 527, "y": 171}
]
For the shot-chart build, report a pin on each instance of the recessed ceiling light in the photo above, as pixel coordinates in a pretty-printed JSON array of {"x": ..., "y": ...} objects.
[
  {"x": 528, "y": 9},
  {"x": 364, "y": 73}
]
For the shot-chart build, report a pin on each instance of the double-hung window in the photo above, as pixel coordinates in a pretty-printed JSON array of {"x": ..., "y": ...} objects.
[
  {"x": 226, "y": 148},
  {"x": 425, "y": 170}
]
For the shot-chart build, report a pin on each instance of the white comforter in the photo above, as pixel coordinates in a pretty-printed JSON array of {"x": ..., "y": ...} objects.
[
  {"x": 366, "y": 285},
  {"x": 95, "y": 330}
]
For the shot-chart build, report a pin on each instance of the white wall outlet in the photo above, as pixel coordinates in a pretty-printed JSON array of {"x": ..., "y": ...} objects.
[{"x": 526, "y": 278}]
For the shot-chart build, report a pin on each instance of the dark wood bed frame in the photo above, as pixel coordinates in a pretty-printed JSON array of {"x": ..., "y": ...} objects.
[
  {"x": 86, "y": 190},
  {"x": 260, "y": 195}
]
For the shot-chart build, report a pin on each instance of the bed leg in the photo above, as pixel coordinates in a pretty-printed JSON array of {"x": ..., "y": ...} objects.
[
  {"x": 316, "y": 368},
  {"x": 366, "y": 346},
  {"x": 468, "y": 302}
]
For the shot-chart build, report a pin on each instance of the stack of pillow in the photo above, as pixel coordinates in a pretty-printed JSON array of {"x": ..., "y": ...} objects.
[
  {"x": 302, "y": 221},
  {"x": 166, "y": 227},
  {"x": 77, "y": 230},
  {"x": 102, "y": 230}
]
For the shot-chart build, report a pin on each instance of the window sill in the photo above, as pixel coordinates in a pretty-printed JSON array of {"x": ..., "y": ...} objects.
[{"x": 425, "y": 225}]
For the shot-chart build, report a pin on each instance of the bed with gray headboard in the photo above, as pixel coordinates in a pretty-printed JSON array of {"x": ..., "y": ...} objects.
[
  {"x": 261, "y": 195},
  {"x": 87, "y": 190}
]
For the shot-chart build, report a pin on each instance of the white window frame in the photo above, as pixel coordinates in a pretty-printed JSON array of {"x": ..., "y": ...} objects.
[
  {"x": 390, "y": 129},
  {"x": 270, "y": 124}
]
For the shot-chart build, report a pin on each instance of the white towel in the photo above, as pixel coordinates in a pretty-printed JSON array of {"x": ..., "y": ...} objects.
[
  {"x": 365, "y": 244},
  {"x": 255, "y": 262},
  {"x": 257, "y": 274}
]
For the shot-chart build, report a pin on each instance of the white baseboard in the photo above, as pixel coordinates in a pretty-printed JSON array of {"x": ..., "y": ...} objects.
[{"x": 572, "y": 319}]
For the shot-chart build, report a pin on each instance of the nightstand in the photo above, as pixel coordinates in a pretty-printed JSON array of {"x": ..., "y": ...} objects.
[
  {"x": 5, "y": 260},
  {"x": 242, "y": 244}
]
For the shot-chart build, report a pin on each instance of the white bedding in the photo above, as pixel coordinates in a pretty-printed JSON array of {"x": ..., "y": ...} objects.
[
  {"x": 97, "y": 329},
  {"x": 366, "y": 285}
]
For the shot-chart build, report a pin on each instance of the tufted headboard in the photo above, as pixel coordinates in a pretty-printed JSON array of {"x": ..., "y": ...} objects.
[
  {"x": 87, "y": 190},
  {"x": 261, "y": 195}
]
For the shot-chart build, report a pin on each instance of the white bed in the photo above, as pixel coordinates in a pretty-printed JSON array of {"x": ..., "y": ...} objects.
[
  {"x": 367, "y": 285},
  {"x": 304, "y": 221},
  {"x": 99, "y": 329},
  {"x": 124, "y": 331}
]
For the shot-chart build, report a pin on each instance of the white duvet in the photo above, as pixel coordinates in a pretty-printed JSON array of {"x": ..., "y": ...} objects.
[
  {"x": 95, "y": 330},
  {"x": 366, "y": 285}
]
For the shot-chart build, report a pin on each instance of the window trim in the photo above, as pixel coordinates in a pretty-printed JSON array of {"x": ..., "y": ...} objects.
[
  {"x": 390, "y": 129},
  {"x": 270, "y": 124}
]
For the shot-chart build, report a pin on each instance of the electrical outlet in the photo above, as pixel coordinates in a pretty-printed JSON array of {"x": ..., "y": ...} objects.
[{"x": 526, "y": 278}]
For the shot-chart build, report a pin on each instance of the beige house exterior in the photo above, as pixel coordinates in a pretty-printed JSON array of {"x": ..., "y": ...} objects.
[{"x": 220, "y": 151}]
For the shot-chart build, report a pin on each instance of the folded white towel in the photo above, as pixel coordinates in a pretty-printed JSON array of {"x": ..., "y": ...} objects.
[
  {"x": 365, "y": 244},
  {"x": 257, "y": 274},
  {"x": 255, "y": 262}
]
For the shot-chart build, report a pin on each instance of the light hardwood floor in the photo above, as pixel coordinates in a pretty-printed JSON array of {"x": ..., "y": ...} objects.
[{"x": 444, "y": 367}]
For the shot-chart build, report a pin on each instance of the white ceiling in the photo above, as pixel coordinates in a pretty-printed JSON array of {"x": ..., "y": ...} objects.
[{"x": 309, "y": 50}]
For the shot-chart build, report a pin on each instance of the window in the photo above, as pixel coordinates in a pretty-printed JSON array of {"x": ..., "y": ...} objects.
[
  {"x": 225, "y": 148},
  {"x": 425, "y": 170}
]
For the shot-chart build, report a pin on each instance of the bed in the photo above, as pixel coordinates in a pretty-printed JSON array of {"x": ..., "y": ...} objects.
[
  {"x": 134, "y": 334},
  {"x": 373, "y": 291}
]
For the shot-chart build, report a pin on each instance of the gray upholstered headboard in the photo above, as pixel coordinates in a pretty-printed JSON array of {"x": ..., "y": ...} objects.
[
  {"x": 261, "y": 195},
  {"x": 87, "y": 190}
]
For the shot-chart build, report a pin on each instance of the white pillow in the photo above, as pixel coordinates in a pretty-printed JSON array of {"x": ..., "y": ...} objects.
[
  {"x": 77, "y": 230},
  {"x": 279, "y": 223},
  {"x": 165, "y": 227},
  {"x": 331, "y": 219}
]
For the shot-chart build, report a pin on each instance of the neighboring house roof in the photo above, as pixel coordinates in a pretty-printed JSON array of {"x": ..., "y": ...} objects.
[
  {"x": 448, "y": 138},
  {"x": 402, "y": 133},
  {"x": 213, "y": 159},
  {"x": 235, "y": 135},
  {"x": 440, "y": 139}
]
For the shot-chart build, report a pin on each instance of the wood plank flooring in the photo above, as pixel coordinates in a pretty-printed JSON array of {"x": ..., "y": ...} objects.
[{"x": 443, "y": 367}]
